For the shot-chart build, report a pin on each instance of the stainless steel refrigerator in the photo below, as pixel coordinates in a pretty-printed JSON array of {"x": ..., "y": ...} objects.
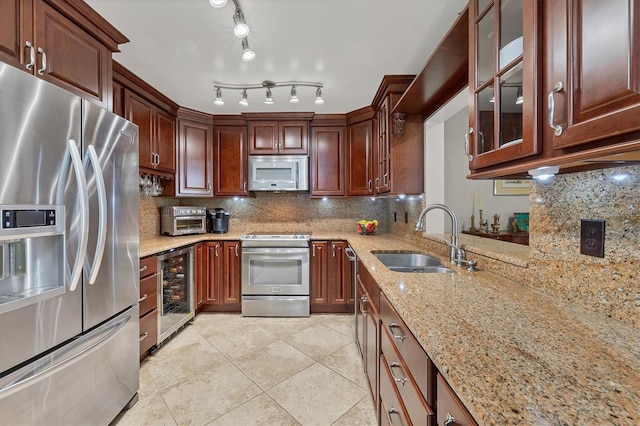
[{"x": 68, "y": 256}]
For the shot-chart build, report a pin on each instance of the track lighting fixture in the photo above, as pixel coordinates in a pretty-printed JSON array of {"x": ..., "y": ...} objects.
[
  {"x": 240, "y": 28},
  {"x": 268, "y": 85},
  {"x": 243, "y": 101}
]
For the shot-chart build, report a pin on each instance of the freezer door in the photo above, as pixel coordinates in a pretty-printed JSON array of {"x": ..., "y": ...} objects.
[
  {"x": 111, "y": 276},
  {"x": 87, "y": 382},
  {"x": 37, "y": 123}
]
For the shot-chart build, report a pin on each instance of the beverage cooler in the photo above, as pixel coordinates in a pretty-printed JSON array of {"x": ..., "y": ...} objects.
[{"x": 176, "y": 287}]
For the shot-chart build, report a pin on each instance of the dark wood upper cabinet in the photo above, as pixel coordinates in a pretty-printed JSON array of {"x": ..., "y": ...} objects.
[
  {"x": 327, "y": 161},
  {"x": 63, "y": 42},
  {"x": 156, "y": 133},
  {"x": 359, "y": 158},
  {"x": 593, "y": 50},
  {"x": 278, "y": 137},
  {"x": 230, "y": 158},
  {"x": 504, "y": 75},
  {"x": 195, "y": 155}
]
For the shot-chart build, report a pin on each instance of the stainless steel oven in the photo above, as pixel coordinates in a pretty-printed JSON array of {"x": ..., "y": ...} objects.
[{"x": 275, "y": 274}]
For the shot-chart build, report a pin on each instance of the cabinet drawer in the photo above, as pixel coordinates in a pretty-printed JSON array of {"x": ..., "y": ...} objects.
[
  {"x": 391, "y": 409},
  {"x": 148, "y": 331},
  {"x": 416, "y": 360},
  {"x": 148, "y": 266},
  {"x": 148, "y": 294},
  {"x": 417, "y": 408},
  {"x": 450, "y": 406}
]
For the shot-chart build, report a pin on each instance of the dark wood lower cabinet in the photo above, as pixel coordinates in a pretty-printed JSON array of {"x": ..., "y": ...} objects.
[
  {"x": 331, "y": 275},
  {"x": 405, "y": 385},
  {"x": 218, "y": 276}
]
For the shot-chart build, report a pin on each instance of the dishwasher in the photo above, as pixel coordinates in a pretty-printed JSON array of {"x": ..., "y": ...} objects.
[{"x": 175, "y": 291}]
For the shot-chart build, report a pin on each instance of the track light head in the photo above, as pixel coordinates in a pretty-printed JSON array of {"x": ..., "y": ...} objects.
[
  {"x": 241, "y": 29},
  {"x": 244, "y": 101},
  {"x": 268, "y": 100},
  {"x": 319, "y": 100},
  {"x": 248, "y": 55},
  {"x": 219, "y": 100},
  {"x": 294, "y": 95}
]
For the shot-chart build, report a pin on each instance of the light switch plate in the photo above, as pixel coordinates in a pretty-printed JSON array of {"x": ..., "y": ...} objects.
[{"x": 592, "y": 237}]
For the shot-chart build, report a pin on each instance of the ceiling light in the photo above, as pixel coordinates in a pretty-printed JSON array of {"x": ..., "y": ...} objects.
[
  {"x": 248, "y": 55},
  {"x": 268, "y": 100},
  {"x": 544, "y": 173},
  {"x": 241, "y": 29},
  {"x": 493, "y": 99},
  {"x": 217, "y": 3},
  {"x": 268, "y": 85},
  {"x": 519, "y": 98},
  {"x": 218, "y": 100},
  {"x": 294, "y": 95},
  {"x": 244, "y": 101}
]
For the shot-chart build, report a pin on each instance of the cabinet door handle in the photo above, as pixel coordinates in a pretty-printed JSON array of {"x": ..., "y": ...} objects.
[
  {"x": 244, "y": 187},
  {"x": 384, "y": 180},
  {"x": 369, "y": 185},
  {"x": 551, "y": 108},
  {"x": 32, "y": 55},
  {"x": 237, "y": 250},
  {"x": 377, "y": 186},
  {"x": 144, "y": 268},
  {"x": 400, "y": 337},
  {"x": 449, "y": 420},
  {"x": 466, "y": 143},
  {"x": 400, "y": 380},
  {"x": 144, "y": 336},
  {"x": 217, "y": 245},
  {"x": 143, "y": 298},
  {"x": 333, "y": 250},
  {"x": 209, "y": 185},
  {"x": 363, "y": 300},
  {"x": 43, "y": 68}
]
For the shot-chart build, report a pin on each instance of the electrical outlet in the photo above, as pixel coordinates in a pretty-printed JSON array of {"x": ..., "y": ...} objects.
[
  {"x": 592, "y": 237},
  {"x": 395, "y": 217},
  {"x": 406, "y": 217}
]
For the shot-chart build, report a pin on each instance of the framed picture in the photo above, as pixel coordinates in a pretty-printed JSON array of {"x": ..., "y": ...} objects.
[{"x": 511, "y": 187}]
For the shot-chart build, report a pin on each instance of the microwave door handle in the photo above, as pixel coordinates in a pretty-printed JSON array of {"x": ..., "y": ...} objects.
[
  {"x": 297, "y": 176},
  {"x": 83, "y": 197},
  {"x": 92, "y": 157}
]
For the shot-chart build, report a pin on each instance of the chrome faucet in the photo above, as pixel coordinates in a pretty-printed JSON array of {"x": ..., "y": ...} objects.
[{"x": 456, "y": 254}]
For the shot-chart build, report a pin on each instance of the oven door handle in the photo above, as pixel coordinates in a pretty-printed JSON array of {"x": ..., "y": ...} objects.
[{"x": 275, "y": 250}]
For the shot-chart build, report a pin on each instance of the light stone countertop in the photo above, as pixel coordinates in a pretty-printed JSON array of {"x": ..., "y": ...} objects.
[{"x": 512, "y": 354}]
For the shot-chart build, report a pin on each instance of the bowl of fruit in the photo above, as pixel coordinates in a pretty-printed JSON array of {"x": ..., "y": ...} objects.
[{"x": 367, "y": 227}]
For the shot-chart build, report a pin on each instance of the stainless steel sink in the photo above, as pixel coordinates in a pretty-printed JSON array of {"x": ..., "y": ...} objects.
[{"x": 411, "y": 262}]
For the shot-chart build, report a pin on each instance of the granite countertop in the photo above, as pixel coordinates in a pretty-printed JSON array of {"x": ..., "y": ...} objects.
[{"x": 512, "y": 354}]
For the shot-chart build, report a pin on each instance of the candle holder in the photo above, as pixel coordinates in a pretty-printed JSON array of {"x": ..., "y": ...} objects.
[
  {"x": 484, "y": 224},
  {"x": 472, "y": 227}
]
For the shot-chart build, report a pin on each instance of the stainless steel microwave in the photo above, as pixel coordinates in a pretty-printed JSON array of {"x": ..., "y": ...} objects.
[{"x": 278, "y": 173}]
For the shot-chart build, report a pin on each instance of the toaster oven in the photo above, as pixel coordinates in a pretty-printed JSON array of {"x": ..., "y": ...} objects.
[{"x": 183, "y": 220}]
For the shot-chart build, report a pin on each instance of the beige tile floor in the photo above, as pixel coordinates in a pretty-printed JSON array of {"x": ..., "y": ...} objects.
[{"x": 226, "y": 369}]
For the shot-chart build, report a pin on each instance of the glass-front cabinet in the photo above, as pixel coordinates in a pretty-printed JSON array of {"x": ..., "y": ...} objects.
[{"x": 504, "y": 63}]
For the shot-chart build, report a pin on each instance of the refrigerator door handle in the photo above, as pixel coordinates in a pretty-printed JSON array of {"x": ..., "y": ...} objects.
[
  {"x": 92, "y": 157},
  {"x": 83, "y": 195}
]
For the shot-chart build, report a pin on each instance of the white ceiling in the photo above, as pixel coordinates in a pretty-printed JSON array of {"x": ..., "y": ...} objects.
[{"x": 181, "y": 47}]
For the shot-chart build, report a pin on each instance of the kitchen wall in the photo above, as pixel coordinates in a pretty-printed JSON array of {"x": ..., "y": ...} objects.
[{"x": 271, "y": 212}]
